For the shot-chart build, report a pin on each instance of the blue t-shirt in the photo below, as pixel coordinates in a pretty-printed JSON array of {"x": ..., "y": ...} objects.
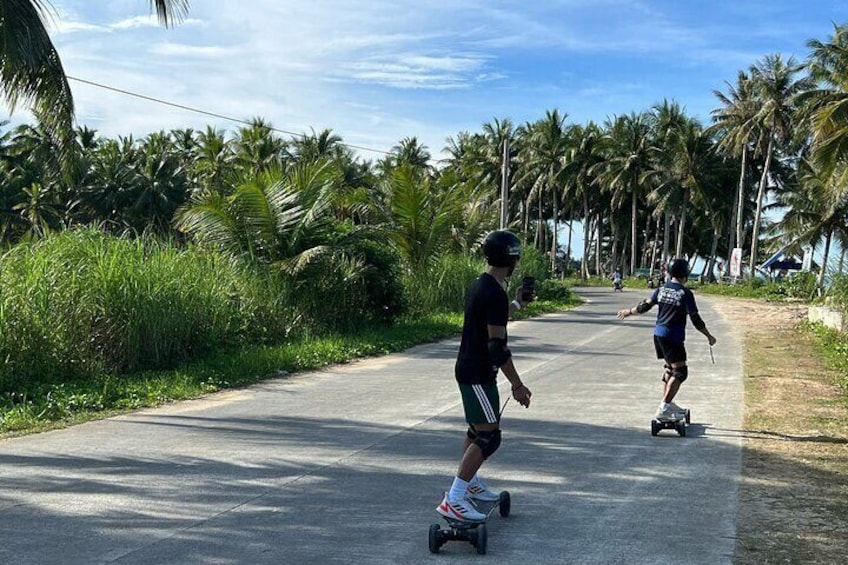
[{"x": 675, "y": 301}]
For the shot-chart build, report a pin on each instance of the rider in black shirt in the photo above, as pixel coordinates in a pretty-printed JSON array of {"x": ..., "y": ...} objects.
[{"x": 482, "y": 351}]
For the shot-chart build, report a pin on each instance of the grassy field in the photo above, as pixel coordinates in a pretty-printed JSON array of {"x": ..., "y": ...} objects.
[{"x": 794, "y": 486}]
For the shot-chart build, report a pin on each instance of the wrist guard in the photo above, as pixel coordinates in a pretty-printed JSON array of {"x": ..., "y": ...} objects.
[{"x": 644, "y": 306}]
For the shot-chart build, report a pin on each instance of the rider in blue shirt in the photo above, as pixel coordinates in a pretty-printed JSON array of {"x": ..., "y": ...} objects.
[{"x": 675, "y": 303}]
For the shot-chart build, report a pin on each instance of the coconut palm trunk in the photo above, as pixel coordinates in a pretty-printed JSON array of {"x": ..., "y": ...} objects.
[
  {"x": 633, "y": 230},
  {"x": 600, "y": 229},
  {"x": 823, "y": 269},
  {"x": 760, "y": 197},
  {"x": 654, "y": 246},
  {"x": 740, "y": 202},
  {"x": 584, "y": 264},
  {"x": 682, "y": 225}
]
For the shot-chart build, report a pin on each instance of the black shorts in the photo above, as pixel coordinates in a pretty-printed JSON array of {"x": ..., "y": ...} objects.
[{"x": 670, "y": 350}]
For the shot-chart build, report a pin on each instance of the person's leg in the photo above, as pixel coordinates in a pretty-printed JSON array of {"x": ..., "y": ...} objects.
[
  {"x": 674, "y": 355},
  {"x": 482, "y": 440},
  {"x": 473, "y": 457},
  {"x": 672, "y": 385}
]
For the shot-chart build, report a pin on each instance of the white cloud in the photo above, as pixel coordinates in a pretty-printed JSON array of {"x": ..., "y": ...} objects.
[
  {"x": 182, "y": 50},
  {"x": 136, "y": 22}
]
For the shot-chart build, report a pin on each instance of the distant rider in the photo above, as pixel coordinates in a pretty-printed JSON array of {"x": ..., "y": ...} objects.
[
  {"x": 675, "y": 302},
  {"x": 482, "y": 351}
]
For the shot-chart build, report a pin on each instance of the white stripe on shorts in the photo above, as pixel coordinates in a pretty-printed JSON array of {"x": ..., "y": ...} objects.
[{"x": 485, "y": 404}]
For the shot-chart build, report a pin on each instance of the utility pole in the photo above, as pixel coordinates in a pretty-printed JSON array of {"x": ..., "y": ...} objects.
[{"x": 505, "y": 183}]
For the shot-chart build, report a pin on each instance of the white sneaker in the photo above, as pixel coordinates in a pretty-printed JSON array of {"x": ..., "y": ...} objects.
[
  {"x": 664, "y": 415},
  {"x": 676, "y": 409},
  {"x": 461, "y": 510},
  {"x": 479, "y": 490}
]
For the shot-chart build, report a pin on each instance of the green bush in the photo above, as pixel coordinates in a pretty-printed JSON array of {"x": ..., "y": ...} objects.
[
  {"x": 801, "y": 285},
  {"x": 837, "y": 291},
  {"x": 554, "y": 290},
  {"x": 386, "y": 296}
]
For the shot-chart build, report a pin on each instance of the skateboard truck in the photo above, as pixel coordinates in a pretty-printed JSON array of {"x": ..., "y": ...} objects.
[
  {"x": 677, "y": 424},
  {"x": 473, "y": 532}
]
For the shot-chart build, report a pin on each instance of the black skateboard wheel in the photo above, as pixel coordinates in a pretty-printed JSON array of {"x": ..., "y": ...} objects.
[
  {"x": 435, "y": 538},
  {"x": 688, "y": 416},
  {"x": 481, "y": 539},
  {"x": 504, "y": 504},
  {"x": 655, "y": 427},
  {"x": 681, "y": 429}
]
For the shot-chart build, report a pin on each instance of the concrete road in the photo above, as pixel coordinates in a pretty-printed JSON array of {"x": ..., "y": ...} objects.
[{"x": 347, "y": 465}]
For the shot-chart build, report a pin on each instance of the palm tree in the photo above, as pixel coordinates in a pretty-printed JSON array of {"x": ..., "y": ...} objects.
[
  {"x": 324, "y": 145},
  {"x": 585, "y": 152},
  {"x": 826, "y": 107},
  {"x": 630, "y": 146},
  {"x": 409, "y": 151},
  {"x": 161, "y": 185},
  {"x": 212, "y": 160},
  {"x": 814, "y": 211},
  {"x": 499, "y": 135},
  {"x": 258, "y": 148},
  {"x": 280, "y": 218},
  {"x": 37, "y": 209},
  {"x": 31, "y": 71},
  {"x": 418, "y": 214},
  {"x": 734, "y": 123},
  {"x": 776, "y": 88},
  {"x": 687, "y": 171},
  {"x": 547, "y": 148}
]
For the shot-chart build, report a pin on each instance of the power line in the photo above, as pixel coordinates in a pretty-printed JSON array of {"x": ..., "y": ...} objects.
[{"x": 212, "y": 114}]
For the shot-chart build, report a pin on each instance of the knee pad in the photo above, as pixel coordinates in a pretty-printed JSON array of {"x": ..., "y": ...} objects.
[
  {"x": 681, "y": 373},
  {"x": 488, "y": 442},
  {"x": 471, "y": 433}
]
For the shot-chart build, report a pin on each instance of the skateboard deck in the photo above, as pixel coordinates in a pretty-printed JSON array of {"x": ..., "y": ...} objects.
[
  {"x": 473, "y": 532},
  {"x": 678, "y": 424}
]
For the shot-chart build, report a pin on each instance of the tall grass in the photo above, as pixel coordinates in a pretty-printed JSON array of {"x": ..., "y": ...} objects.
[
  {"x": 443, "y": 286},
  {"x": 79, "y": 304}
]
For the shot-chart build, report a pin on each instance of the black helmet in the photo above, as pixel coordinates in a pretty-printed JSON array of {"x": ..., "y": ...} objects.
[
  {"x": 679, "y": 269},
  {"x": 502, "y": 248}
]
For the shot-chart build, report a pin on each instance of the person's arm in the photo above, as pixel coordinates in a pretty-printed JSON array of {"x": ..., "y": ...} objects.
[
  {"x": 697, "y": 321},
  {"x": 640, "y": 308},
  {"x": 702, "y": 327},
  {"x": 502, "y": 357},
  {"x": 520, "y": 301}
]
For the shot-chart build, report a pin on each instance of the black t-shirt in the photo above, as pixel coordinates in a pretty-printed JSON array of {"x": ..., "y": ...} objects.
[{"x": 486, "y": 304}]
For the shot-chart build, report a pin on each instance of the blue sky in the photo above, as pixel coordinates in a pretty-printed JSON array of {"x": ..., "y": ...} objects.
[{"x": 376, "y": 71}]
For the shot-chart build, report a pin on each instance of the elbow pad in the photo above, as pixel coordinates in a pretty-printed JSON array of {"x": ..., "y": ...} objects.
[
  {"x": 499, "y": 353},
  {"x": 697, "y": 321},
  {"x": 644, "y": 306}
]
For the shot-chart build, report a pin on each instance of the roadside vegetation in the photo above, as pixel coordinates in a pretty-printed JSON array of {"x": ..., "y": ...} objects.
[
  {"x": 792, "y": 497},
  {"x": 92, "y": 324}
]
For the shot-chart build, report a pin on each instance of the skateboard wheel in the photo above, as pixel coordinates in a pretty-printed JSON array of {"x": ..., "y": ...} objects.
[
  {"x": 435, "y": 538},
  {"x": 655, "y": 427},
  {"x": 481, "y": 539},
  {"x": 681, "y": 429},
  {"x": 504, "y": 504},
  {"x": 688, "y": 417}
]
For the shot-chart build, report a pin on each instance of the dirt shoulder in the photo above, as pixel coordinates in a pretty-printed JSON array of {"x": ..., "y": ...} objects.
[{"x": 793, "y": 498}]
